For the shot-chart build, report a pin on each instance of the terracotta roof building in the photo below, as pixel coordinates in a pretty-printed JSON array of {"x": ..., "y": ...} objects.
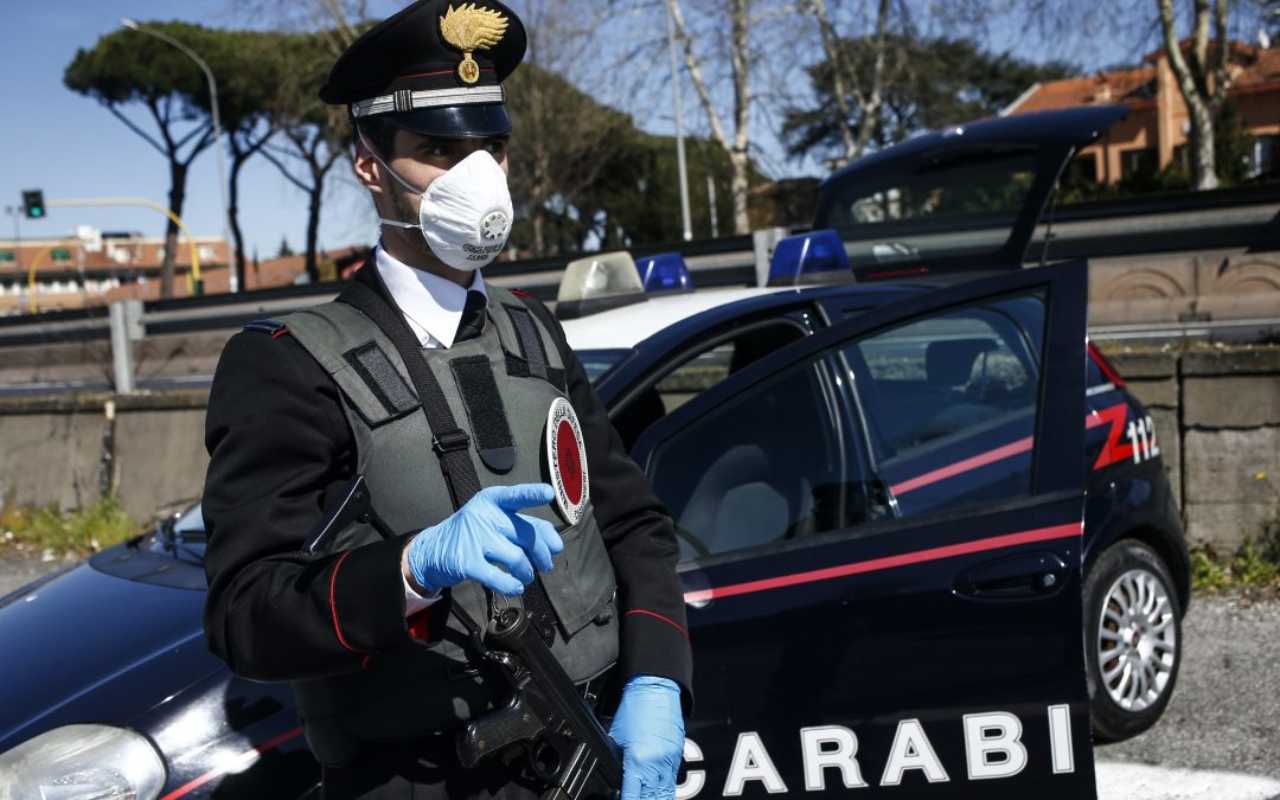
[
  {"x": 73, "y": 271},
  {"x": 1157, "y": 129},
  {"x": 94, "y": 268}
]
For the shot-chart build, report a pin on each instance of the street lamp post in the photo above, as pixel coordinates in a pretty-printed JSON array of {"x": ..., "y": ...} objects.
[
  {"x": 217, "y": 137},
  {"x": 680, "y": 158}
]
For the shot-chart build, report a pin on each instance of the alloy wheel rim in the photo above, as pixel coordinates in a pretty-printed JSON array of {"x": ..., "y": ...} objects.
[{"x": 1137, "y": 640}]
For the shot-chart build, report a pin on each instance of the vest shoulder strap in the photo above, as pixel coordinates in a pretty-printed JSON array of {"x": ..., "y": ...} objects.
[
  {"x": 537, "y": 353},
  {"x": 358, "y": 357}
]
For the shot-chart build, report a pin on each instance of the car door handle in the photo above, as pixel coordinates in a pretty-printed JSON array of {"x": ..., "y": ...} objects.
[{"x": 1038, "y": 574}]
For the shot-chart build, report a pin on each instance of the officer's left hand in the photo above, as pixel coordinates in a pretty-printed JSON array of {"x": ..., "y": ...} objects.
[{"x": 649, "y": 727}]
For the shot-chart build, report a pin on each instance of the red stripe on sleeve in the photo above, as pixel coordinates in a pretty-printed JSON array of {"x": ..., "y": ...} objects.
[
  {"x": 663, "y": 618},
  {"x": 419, "y": 625},
  {"x": 333, "y": 606}
]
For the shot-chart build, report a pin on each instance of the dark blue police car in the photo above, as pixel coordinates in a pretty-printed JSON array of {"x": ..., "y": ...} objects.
[{"x": 892, "y": 498}]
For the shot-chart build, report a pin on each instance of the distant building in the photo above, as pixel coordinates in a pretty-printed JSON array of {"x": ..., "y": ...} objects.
[
  {"x": 287, "y": 270},
  {"x": 95, "y": 269},
  {"x": 1156, "y": 132},
  {"x": 87, "y": 268}
]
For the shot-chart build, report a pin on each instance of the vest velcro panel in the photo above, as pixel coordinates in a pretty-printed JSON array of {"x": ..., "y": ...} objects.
[
  {"x": 483, "y": 401},
  {"x": 370, "y": 363}
]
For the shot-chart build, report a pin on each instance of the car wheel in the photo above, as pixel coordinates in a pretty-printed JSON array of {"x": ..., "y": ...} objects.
[{"x": 1133, "y": 639}]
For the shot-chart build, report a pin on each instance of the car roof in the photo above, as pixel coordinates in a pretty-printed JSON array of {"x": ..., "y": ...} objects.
[
  {"x": 628, "y": 326},
  {"x": 623, "y": 327}
]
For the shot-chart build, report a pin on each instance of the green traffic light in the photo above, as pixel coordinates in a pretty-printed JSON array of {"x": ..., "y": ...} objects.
[{"x": 33, "y": 203}]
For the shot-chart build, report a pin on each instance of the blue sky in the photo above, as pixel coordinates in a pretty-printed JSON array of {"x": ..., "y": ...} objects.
[{"x": 71, "y": 147}]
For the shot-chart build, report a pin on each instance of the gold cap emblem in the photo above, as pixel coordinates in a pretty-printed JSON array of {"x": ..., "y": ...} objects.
[{"x": 469, "y": 29}]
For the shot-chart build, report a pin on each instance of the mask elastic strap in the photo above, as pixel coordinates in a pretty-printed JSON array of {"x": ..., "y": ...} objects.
[{"x": 393, "y": 222}]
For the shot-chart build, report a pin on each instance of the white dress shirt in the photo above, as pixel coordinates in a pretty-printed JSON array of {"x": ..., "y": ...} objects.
[{"x": 432, "y": 306}]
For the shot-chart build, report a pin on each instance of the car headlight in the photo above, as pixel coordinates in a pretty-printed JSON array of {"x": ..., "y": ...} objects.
[{"x": 82, "y": 762}]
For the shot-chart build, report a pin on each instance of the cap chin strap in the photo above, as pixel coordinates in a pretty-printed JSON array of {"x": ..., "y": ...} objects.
[{"x": 395, "y": 223}]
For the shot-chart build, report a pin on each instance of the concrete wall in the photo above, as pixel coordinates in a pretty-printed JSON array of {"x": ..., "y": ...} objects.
[
  {"x": 149, "y": 449},
  {"x": 1209, "y": 285},
  {"x": 50, "y": 454},
  {"x": 1217, "y": 415}
]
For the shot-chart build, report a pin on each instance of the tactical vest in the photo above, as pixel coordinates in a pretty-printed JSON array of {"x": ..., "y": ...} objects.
[{"x": 499, "y": 387}]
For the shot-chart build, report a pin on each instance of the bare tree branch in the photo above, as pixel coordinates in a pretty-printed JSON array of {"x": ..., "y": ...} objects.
[
  {"x": 339, "y": 16},
  {"x": 162, "y": 124},
  {"x": 133, "y": 127},
  {"x": 695, "y": 73},
  {"x": 200, "y": 130},
  {"x": 740, "y": 60},
  {"x": 1221, "y": 76},
  {"x": 843, "y": 80},
  {"x": 199, "y": 146},
  {"x": 1194, "y": 84},
  {"x": 268, "y": 154}
]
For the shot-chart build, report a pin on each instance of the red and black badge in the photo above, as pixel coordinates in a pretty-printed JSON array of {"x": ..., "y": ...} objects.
[{"x": 567, "y": 461}]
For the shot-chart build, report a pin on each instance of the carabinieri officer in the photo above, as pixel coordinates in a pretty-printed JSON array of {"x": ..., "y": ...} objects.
[{"x": 479, "y": 440}]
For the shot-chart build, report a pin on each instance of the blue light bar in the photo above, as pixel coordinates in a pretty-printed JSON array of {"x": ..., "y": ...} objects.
[
  {"x": 805, "y": 254},
  {"x": 664, "y": 272}
]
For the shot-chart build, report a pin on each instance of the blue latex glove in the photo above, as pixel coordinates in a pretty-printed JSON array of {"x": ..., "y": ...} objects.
[
  {"x": 486, "y": 532},
  {"x": 649, "y": 727}
]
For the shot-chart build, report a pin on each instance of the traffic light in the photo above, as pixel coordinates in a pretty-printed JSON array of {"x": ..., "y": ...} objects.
[{"x": 33, "y": 203}]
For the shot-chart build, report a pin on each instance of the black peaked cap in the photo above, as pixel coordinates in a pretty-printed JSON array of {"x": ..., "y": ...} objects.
[{"x": 415, "y": 72}]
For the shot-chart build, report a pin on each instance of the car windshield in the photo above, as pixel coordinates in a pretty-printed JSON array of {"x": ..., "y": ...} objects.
[
  {"x": 184, "y": 537},
  {"x": 954, "y": 204},
  {"x": 191, "y": 522},
  {"x": 597, "y": 363}
]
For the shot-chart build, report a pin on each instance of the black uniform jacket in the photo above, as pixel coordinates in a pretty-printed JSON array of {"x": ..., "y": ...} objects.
[{"x": 279, "y": 441}]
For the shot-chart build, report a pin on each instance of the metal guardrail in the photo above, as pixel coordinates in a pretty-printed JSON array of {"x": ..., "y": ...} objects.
[
  {"x": 1237, "y": 217},
  {"x": 1225, "y": 331},
  {"x": 1221, "y": 330}
]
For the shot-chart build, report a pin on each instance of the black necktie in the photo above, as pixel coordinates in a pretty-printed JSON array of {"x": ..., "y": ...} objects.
[{"x": 472, "y": 323}]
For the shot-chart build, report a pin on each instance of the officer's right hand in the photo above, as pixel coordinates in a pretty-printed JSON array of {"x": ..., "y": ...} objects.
[{"x": 484, "y": 534}]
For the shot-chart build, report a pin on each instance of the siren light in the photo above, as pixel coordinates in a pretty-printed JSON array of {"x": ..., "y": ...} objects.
[
  {"x": 796, "y": 258},
  {"x": 664, "y": 272}
]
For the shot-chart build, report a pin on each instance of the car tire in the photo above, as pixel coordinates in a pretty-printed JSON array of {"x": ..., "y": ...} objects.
[{"x": 1133, "y": 639}]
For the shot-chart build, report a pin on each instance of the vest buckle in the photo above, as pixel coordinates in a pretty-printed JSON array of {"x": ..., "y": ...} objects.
[{"x": 450, "y": 441}]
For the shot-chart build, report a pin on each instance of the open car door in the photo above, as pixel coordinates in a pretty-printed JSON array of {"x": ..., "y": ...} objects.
[{"x": 845, "y": 638}]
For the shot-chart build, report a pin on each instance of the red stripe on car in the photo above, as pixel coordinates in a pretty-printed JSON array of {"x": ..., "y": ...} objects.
[
  {"x": 950, "y": 470},
  {"x": 232, "y": 763},
  {"x": 1048, "y": 534},
  {"x": 1021, "y": 446}
]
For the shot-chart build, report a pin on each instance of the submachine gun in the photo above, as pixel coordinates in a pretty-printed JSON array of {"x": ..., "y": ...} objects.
[{"x": 545, "y": 715}]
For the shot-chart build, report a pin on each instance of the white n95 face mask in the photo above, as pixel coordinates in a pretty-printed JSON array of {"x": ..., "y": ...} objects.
[{"x": 466, "y": 214}]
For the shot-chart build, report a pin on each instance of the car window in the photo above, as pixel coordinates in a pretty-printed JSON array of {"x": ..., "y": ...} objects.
[
  {"x": 767, "y": 465},
  {"x": 698, "y": 370},
  {"x": 597, "y": 363},
  {"x": 936, "y": 210},
  {"x": 950, "y": 402}
]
